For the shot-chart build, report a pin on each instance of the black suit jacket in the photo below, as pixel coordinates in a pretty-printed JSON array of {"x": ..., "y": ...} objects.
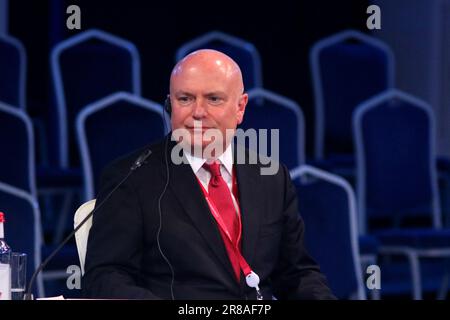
[{"x": 127, "y": 259}]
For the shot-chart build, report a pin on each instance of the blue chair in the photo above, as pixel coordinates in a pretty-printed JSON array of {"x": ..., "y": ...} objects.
[
  {"x": 17, "y": 173},
  {"x": 397, "y": 179},
  {"x": 328, "y": 207},
  {"x": 268, "y": 110},
  {"x": 13, "y": 66},
  {"x": 243, "y": 52},
  {"x": 443, "y": 164},
  {"x": 112, "y": 127},
  {"x": 85, "y": 68},
  {"x": 17, "y": 165},
  {"x": 23, "y": 228},
  {"x": 347, "y": 68}
]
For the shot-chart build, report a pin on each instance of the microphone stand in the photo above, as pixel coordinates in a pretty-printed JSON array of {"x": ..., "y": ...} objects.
[{"x": 137, "y": 164}]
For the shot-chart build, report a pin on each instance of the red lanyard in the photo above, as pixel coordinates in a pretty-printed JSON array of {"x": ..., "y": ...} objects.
[{"x": 242, "y": 263}]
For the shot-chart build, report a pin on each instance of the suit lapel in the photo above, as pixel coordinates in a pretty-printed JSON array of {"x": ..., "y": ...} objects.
[
  {"x": 251, "y": 205},
  {"x": 185, "y": 186}
]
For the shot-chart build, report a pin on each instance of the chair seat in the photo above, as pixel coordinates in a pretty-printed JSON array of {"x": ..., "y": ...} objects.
[
  {"x": 422, "y": 238},
  {"x": 368, "y": 244},
  {"x": 396, "y": 277}
]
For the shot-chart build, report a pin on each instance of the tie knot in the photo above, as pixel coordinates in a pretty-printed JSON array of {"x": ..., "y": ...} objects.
[{"x": 213, "y": 168}]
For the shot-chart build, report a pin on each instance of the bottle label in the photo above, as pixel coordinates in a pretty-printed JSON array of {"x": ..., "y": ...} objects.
[{"x": 5, "y": 281}]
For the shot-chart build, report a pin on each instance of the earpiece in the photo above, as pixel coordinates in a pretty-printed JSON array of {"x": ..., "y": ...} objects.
[{"x": 168, "y": 105}]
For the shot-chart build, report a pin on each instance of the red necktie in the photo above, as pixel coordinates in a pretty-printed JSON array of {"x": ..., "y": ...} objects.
[{"x": 220, "y": 195}]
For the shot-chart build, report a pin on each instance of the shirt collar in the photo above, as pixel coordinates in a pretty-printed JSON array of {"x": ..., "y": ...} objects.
[{"x": 225, "y": 158}]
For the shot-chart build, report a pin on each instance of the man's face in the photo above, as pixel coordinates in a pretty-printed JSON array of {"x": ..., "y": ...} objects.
[{"x": 206, "y": 97}]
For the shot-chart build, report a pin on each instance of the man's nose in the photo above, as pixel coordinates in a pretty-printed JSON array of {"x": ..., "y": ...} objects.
[{"x": 199, "y": 111}]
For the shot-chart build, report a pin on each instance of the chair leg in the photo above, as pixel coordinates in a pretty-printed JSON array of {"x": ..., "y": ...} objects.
[
  {"x": 375, "y": 294},
  {"x": 442, "y": 294},
  {"x": 415, "y": 275},
  {"x": 40, "y": 286}
]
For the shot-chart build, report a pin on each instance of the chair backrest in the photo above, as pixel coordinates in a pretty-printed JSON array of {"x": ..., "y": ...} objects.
[
  {"x": 243, "y": 52},
  {"x": 112, "y": 127},
  {"x": 85, "y": 68},
  {"x": 23, "y": 228},
  {"x": 347, "y": 68},
  {"x": 13, "y": 66},
  {"x": 328, "y": 207},
  {"x": 17, "y": 164},
  {"x": 396, "y": 173},
  {"x": 82, "y": 235},
  {"x": 268, "y": 110}
]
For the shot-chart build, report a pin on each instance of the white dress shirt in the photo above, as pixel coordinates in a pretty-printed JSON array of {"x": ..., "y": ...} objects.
[{"x": 226, "y": 169}]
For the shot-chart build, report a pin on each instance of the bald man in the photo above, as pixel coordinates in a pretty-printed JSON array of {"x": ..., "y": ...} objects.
[
  {"x": 206, "y": 87},
  {"x": 206, "y": 227}
]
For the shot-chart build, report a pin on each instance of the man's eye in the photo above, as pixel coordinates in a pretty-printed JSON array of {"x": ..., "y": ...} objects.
[
  {"x": 183, "y": 100},
  {"x": 215, "y": 100}
]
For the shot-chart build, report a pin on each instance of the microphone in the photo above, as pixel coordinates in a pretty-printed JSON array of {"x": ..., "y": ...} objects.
[
  {"x": 137, "y": 164},
  {"x": 140, "y": 161}
]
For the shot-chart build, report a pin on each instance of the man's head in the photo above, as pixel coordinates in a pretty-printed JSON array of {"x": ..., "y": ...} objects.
[{"x": 207, "y": 92}]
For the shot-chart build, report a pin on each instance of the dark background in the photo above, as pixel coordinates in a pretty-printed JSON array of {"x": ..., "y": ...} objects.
[{"x": 282, "y": 31}]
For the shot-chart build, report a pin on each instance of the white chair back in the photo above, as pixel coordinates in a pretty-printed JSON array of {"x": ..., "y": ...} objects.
[{"x": 81, "y": 236}]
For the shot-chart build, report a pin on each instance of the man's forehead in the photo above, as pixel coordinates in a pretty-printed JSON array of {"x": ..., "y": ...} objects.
[
  {"x": 202, "y": 92},
  {"x": 207, "y": 57},
  {"x": 207, "y": 71},
  {"x": 202, "y": 81},
  {"x": 192, "y": 70}
]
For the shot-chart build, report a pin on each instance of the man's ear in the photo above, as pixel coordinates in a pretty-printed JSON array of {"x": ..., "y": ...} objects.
[{"x": 241, "y": 107}]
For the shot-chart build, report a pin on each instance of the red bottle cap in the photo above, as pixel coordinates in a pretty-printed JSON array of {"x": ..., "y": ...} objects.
[{"x": 2, "y": 217}]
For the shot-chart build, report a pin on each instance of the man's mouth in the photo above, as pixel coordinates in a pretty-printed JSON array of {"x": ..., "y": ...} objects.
[{"x": 198, "y": 129}]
